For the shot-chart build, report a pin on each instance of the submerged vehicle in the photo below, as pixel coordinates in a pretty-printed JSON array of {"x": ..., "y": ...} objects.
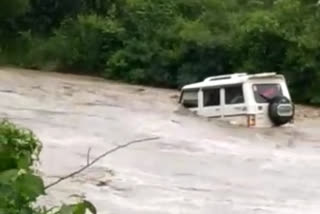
[{"x": 253, "y": 100}]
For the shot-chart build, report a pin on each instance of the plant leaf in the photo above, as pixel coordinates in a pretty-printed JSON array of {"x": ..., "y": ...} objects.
[
  {"x": 79, "y": 208},
  {"x": 90, "y": 207},
  {"x": 8, "y": 176},
  {"x": 30, "y": 186}
]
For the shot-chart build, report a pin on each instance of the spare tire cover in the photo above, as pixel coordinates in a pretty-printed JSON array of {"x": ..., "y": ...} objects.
[{"x": 281, "y": 110}]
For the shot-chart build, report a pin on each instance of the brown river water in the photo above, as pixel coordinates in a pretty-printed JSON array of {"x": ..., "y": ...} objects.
[{"x": 196, "y": 166}]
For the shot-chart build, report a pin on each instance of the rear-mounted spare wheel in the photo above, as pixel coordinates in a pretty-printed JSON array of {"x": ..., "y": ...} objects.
[{"x": 281, "y": 110}]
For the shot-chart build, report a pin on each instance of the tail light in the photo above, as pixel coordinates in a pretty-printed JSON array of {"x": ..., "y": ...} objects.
[{"x": 251, "y": 120}]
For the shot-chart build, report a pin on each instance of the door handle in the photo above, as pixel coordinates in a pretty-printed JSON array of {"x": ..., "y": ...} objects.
[{"x": 240, "y": 108}]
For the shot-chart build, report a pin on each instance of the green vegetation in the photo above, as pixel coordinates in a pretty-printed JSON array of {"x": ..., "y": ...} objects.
[
  {"x": 167, "y": 43},
  {"x": 20, "y": 185}
]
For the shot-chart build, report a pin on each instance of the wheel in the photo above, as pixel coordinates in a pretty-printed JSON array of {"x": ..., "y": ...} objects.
[{"x": 281, "y": 110}]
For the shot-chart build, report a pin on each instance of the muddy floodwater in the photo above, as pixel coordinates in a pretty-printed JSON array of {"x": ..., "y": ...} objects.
[{"x": 197, "y": 166}]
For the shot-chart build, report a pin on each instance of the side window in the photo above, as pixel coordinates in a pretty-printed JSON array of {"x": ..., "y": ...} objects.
[
  {"x": 190, "y": 98},
  {"x": 234, "y": 95},
  {"x": 211, "y": 97}
]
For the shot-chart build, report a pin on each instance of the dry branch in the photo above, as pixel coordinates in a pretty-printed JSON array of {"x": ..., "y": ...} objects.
[{"x": 89, "y": 164}]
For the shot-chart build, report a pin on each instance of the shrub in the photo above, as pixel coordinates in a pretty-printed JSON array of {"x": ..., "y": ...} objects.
[
  {"x": 20, "y": 186},
  {"x": 83, "y": 43}
]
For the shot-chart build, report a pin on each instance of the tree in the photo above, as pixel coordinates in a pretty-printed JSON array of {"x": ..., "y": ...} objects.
[{"x": 13, "y": 8}]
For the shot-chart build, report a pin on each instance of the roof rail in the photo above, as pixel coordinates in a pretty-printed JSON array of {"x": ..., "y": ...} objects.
[
  {"x": 263, "y": 75},
  {"x": 224, "y": 77}
]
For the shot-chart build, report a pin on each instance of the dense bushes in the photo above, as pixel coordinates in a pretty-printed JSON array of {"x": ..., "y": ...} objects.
[
  {"x": 83, "y": 43},
  {"x": 169, "y": 42},
  {"x": 20, "y": 185}
]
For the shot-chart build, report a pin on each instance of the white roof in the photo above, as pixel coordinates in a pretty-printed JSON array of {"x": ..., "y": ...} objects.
[{"x": 231, "y": 79}]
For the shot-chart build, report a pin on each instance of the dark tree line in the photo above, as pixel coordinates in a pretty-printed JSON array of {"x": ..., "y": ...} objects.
[{"x": 167, "y": 42}]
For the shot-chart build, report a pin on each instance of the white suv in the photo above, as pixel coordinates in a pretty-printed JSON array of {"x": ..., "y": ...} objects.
[{"x": 259, "y": 100}]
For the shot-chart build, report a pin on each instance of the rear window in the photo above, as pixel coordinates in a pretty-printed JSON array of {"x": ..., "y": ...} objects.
[{"x": 263, "y": 92}]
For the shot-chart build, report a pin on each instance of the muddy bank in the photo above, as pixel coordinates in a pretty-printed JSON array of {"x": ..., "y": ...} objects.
[{"x": 197, "y": 166}]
